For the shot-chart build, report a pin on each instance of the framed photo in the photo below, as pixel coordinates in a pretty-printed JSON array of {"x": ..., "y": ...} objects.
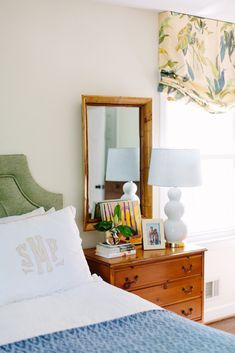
[{"x": 153, "y": 234}]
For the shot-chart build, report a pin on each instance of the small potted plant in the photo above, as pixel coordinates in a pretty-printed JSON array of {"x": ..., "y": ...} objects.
[{"x": 115, "y": 228}]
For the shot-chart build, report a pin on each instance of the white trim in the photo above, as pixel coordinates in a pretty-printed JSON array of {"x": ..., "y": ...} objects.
[
  {"x": 217, "y": 156},
  {"x": 212, "y": 236},
  {"x": 219, "y": 312},
  {"x": 163, "y": 121},
  {"x": 214, "y": 239}
]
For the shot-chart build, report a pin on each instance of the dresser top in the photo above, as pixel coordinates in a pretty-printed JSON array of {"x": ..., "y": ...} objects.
[{"x": 146, "y": 255}]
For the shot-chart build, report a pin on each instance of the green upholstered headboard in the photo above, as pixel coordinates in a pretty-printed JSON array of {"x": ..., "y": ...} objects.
[{"x": 19, "y": 193}]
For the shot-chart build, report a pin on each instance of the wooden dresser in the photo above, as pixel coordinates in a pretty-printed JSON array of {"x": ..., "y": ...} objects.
[{"x": 171, "y": 278}]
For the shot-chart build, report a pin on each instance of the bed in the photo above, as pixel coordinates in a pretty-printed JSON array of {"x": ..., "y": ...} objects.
[{"x": 81, "y": 314}]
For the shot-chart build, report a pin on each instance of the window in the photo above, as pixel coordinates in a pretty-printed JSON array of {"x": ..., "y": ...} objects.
[{"x": 210, "y": 208}]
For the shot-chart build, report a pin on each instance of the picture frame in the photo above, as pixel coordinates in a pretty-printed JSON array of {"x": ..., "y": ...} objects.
[{"x": 153, "y": 234}]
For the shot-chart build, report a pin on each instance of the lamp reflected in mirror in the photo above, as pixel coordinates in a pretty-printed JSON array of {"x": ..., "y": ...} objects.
[{"x": 123, "y": 165}]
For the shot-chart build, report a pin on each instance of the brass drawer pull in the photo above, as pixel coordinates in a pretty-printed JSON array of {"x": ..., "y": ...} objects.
[
  {"x": 187, "y": 269},
  {"x": 127, "y": 284},
  {"x": 187, "y": 313},
  {"x": 165, "y": 285},
  {"x": 188, "y": 290}
]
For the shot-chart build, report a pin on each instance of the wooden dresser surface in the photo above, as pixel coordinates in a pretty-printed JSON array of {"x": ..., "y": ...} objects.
[{"x": 171, "y": 278}]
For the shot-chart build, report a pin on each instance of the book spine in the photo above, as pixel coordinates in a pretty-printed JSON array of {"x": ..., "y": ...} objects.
[
  {"x": 110, "y": 256},
  {"x": 115, "y": 250}
]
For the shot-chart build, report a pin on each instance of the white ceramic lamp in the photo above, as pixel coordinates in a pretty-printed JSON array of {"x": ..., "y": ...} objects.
[
  {"x": 175, "y": 168},
  {"x": 123, "y": 164}
]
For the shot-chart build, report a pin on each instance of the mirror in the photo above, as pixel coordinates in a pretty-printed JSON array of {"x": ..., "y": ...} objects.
[
  {"x": 113, "y": 138},
  {"x": 117, "y": 137}
]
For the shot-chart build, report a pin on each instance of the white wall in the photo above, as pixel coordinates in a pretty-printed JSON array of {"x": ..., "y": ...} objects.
[
  {"x": 96, "y": 122},
  {"x": 52, "y": 51},
  {"x": 128, "y": 134},
  {"x": 220, "y": 265}
]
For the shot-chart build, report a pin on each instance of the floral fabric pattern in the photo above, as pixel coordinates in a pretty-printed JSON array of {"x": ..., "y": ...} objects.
[{"x": 197, "y": 60}]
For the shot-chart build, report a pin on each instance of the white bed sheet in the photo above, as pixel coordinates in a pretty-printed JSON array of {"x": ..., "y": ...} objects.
[{"x": 90, "y": 303}]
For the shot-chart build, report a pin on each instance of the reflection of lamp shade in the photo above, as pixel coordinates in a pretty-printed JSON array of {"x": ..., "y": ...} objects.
[
  {"x": 173, "y": 168},
  {"x": 123, "y": 164}
]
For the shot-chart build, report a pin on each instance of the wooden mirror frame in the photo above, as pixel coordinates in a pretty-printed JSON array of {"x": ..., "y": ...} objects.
[{"x": 145, "y": 130}]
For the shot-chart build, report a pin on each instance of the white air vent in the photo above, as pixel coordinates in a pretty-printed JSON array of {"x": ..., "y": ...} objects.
[{"x": 212, "y": 289}]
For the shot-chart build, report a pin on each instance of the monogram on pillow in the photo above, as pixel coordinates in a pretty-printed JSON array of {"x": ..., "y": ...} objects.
[{"x": 39, "y": 255}]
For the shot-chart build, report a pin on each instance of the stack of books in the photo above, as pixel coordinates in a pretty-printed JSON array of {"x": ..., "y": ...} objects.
[{"x": 111, "y": 251}]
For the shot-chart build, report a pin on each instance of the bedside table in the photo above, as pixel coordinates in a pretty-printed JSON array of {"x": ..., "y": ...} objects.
[{"x": 171, "y": 278}]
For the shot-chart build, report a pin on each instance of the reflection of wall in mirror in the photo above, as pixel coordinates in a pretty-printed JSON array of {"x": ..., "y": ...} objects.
[
  {"x": 96, "y": 154},
  {"x": 128, "y": 127}
]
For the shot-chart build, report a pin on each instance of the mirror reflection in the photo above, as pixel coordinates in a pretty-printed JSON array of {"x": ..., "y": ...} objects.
[{"x": 113, "y": 153}]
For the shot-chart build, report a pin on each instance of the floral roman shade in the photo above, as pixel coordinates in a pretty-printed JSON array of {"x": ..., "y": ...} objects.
[{"x": 197, "y": 60}]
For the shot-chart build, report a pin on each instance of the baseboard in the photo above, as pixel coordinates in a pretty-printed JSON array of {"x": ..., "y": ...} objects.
[
  {"x": 219, "y": 320},
  {"x": 219, "y": 313}
]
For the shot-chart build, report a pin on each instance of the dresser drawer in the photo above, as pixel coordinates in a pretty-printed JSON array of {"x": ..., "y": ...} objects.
[
  {"x": 172, "y": 292},
  {"x": 191, "y": 309},
  {"x": 139, "y": 276}
]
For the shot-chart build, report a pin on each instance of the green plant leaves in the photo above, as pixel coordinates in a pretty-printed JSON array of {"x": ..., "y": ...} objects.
[
  {"x": 117, "y": 215},
  {"x": 118, "y": 212},
  {"x": 103, "y": 226},
  {"x": 126, "y": 231}
]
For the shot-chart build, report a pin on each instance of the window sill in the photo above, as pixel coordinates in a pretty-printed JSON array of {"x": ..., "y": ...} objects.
[{"x": 210, "y": 237}]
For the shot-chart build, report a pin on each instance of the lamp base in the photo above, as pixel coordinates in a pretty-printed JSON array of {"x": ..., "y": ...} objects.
[
  {"x": 175, "y": 245},
  {"x": 174, "y": 227},
  {"x": 129, "y": 190}
]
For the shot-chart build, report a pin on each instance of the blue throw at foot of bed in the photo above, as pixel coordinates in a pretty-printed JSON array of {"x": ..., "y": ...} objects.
[{"x": 152, "y": 331}]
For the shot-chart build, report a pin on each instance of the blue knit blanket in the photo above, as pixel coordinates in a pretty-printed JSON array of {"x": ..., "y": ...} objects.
[{"x": 154, "y": 331}]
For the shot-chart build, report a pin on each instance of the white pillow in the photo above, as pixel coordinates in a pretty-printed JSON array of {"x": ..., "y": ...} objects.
[
  {"x": 37, "y": 212},
  {"x": 41, "y": 255}
]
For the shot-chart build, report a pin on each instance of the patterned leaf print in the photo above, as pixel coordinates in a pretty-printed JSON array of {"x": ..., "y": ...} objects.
[
  {"x": 217, "y": 88},
  {"x": 221, "y": 81},
  {"x": 190, "y": 71},
  {"x": 222, "y": 49},
  {"x": 161, "y": 39},
  {"x": 184, "y": 37},
  {"x": 199, "y": 23},
  {"x": 214, "y": 69},
  {"x": 163, "y": 51},
  {"x": 172, "y": 64},
  {"x": 178, "y": 95},
  {"x": 197, "y": 56},
  {"x": 169, "y": 64},
  {"x": 163, "y": 27},
  {"x": 231, "y": 83},
  {"x": 230, "y": 43}
]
